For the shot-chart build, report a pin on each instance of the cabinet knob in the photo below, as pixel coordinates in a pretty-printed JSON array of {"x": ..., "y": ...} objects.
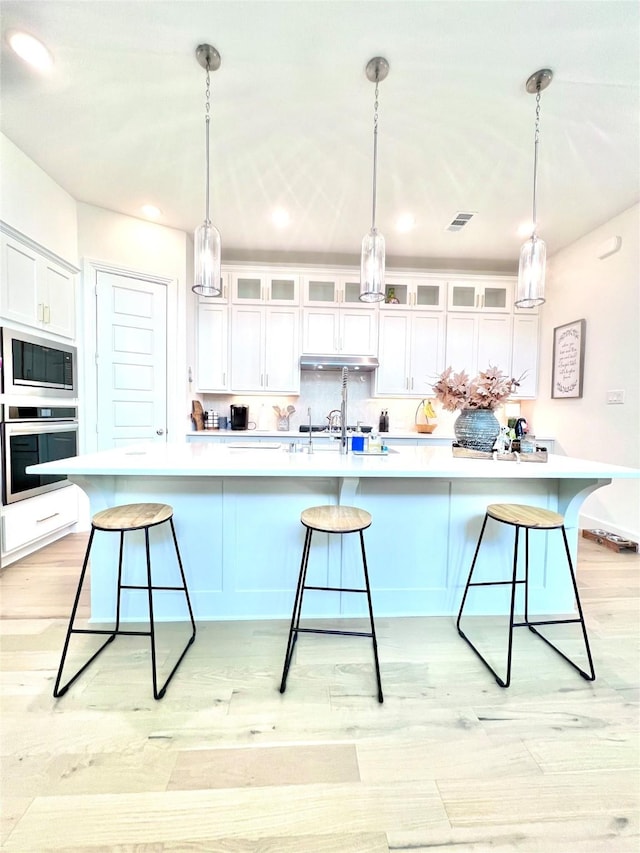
[{"x": 160, "y": 431}]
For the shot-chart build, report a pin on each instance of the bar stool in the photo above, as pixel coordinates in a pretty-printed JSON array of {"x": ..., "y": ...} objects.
[
  {"x": 527, "y": 518},
  {"x": 122, "y": 519},
  {"x": 341, "y": 520}
]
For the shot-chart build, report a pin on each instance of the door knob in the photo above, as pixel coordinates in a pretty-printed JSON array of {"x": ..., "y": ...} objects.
[{"x": 159, "y": 432}]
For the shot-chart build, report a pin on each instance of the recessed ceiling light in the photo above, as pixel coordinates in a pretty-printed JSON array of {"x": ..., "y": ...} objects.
[
  {"x": 280, "y": 217},
  {"x": 405, "y": 222},
  {"x": 31, "y": 50},
  {"x": 151, "y": 211}
]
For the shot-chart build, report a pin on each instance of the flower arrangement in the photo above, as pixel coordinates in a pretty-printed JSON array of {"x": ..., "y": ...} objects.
[{"x": 486, "y": 391}]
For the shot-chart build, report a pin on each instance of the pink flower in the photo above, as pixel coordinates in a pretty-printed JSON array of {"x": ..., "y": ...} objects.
[{"x": 486, "y": 391}]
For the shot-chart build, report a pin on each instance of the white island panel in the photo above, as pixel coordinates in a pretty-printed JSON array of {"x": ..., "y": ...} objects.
[{"x": 237, "y": 515}]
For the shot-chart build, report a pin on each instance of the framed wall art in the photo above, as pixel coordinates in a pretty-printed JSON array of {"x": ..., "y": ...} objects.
[{"x": 568, "y": 360}]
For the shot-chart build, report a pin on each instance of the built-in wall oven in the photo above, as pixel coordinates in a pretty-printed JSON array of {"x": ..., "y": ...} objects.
[
  {"x": 37, "y": 366},
  {"x": 32, "y": 434}
]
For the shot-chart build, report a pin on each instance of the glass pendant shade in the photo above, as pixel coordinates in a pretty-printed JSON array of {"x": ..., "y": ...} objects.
[
  {"x": 372, "y": 267},
  {"x": 533, "y": 258},
  {"x": 206, "y": 260}
]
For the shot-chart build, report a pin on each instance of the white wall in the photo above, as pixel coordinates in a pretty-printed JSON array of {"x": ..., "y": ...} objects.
[
  {"x": 32, "y": 203},
  {"x": 606, "y": 293}
]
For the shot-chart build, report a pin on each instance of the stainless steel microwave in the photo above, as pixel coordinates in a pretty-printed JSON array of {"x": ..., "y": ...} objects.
[{"x": 37, "y": 366}]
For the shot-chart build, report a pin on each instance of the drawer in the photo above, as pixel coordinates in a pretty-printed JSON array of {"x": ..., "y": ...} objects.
[{"x": 31, "y": 519}]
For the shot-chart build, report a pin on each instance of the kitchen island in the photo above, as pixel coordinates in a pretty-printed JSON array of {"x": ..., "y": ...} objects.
[{"x": 237, "y": 514}]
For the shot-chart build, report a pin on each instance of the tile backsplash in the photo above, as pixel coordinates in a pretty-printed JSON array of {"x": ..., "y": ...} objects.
[{"x": 321, "y": 392}]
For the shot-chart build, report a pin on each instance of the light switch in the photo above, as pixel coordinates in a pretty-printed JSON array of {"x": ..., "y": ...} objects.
[{"x": 615, "y": 397}]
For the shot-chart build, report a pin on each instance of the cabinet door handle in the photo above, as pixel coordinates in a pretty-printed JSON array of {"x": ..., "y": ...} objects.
[
  {"x": 266, "y": 380},
  {"x": 47, "y": 517},
  {"x": 412, "y": 383},
  {"x": 482, "y": 301},
  {"x": 224, "y": 378},
  {"x": 40, "y": 312},
  {"x": 47, "y": 314}
]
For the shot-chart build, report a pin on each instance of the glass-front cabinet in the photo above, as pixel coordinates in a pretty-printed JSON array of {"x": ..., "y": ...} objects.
[
  {"x": 423, "y": 293},
  {"x": 265, "y": 287},
  {"x": 481, "y": 294}
]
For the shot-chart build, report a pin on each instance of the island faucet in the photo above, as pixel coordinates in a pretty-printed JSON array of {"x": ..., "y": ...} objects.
[{"x": 344, "y": 447}]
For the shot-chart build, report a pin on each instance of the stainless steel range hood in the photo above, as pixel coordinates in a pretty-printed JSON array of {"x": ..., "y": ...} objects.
[{"x": 361, "y": 363}]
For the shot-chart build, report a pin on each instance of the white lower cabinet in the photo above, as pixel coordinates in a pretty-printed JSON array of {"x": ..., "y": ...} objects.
[
  {"x": 212, "y": 373},
  {"x": 339, "y": 331},
  {"x": 476, "y": 341},
  {"x": 31, "y": 523},
  {"x": 265, "y": 350},
  {"x": 410, "y": 351}
]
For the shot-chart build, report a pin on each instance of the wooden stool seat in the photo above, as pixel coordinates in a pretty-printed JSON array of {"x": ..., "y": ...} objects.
[
  {"x": 336, "y": 519},
  {"x": 339, "y": 520},
  {"x": 125, "y": 519},
  {"x": 132, "y": 516},
  {"x": 532, "y": 517},
  {"x": 528, "y": 518}
]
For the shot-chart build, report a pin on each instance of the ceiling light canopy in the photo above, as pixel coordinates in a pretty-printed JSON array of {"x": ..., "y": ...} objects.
[
  {"x": 151, "y": 211},
  {"x": 372, "y": 257},
  {"x": 30, "y": 49},
  {"x": 206, "y": 241},
  {"x": 533, "y": 254}
]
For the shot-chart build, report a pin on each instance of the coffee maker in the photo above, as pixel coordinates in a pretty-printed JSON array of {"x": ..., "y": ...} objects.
[{"x": 239, "y": 417}]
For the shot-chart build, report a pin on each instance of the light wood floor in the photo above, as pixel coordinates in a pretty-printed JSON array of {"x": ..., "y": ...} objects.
[{"x": 225, "y": 763}]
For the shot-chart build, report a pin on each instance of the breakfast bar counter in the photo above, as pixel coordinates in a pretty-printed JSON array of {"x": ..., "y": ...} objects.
[{"x": 237, "y": 514}]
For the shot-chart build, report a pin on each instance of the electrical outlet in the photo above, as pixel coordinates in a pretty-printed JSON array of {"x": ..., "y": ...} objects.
[{"x": 615, "y": 397}]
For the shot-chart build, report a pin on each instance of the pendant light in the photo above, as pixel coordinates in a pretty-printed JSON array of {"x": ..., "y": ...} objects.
[
  {"x": 372, "y": 258},
  {"x": 533, "y": 254},
  {"x": 206, "y": 240}
]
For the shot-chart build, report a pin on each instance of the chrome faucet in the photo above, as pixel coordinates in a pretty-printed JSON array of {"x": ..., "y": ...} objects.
[{"x": 344, "y": 447}]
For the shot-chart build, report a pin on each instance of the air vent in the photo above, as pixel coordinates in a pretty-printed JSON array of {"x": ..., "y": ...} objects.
[{"x": 459, "y": 221}]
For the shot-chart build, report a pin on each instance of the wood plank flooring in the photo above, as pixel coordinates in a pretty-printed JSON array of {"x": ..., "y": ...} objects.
[{"x": 224, "y": 763}]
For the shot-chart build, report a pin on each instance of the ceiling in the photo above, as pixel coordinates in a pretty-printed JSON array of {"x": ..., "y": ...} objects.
[{"x": 120, "y": 120}]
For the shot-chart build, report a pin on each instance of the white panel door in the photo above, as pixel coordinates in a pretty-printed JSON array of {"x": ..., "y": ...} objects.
[{"x": 131, "y": 360}]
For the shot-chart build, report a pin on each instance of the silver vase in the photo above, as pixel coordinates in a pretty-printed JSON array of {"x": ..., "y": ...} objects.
[{"x": 476, "y": 429}]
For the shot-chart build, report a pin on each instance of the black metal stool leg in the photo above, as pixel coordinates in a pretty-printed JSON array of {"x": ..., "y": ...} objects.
[
  {"x": 591, "y": 674},
  {"x": 297, "y": 609},
  {"x": 60, "y": 691},
  {"x": 158, "y": 693},
  {"x": 513, "y": 583},
  {"x": 373, "y": 630}
]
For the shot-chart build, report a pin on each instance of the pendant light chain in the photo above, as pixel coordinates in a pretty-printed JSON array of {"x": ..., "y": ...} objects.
[
  {"x": 375, "y": 157},
  {"x": 207, "y": 121},
  {"x": 535, "y": 161}
]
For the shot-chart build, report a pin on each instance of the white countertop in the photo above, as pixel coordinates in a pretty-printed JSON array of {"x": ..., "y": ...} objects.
[
  {"x": 213, "y": 459},
  {"x": 295, "y": 433}
]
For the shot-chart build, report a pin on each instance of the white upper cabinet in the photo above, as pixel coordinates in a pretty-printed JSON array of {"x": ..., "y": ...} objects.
[
  {"x": 474, "y": 342},
  {"x": 411, "y": 353},
  {"x": 260, "y": 287},
  {"x": 212, "y": 372},
  {"x": 36, "y": 291},
  {"x": 339, "y": 331},
  {"x": 265, "y": 350},
  {"x": 481, "y": 294},
  {"x": 333, "y": 290},
  {"x": 419, "y": 292},
  {"x": 525, "y": 355}
]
